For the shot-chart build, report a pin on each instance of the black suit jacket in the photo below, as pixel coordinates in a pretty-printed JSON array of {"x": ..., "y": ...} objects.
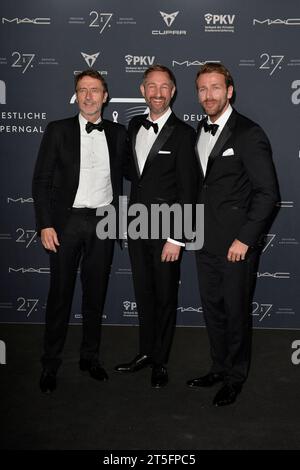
[
  {"x": 170, "y": 174},
  {"x": 239, "y": 192},
  {"x": 56, "y": 174}
]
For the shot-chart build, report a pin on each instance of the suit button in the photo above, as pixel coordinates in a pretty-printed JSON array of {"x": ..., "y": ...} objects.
[
  {"x": 140, "y": 186},
  {"x": 205, "y": 186}
]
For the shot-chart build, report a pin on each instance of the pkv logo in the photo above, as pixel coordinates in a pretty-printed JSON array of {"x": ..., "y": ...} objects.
[
  {"x": 208, "y": 18},
  {"x": 139, "y": 60},
  {"x": 129, "y": 305},
  {"x": 129, "y": 309},
  {"x": 219, "y": 19}
]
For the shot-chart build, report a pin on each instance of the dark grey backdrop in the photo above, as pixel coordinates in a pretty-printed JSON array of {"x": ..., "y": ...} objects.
[{"x": 44, "y": 43}]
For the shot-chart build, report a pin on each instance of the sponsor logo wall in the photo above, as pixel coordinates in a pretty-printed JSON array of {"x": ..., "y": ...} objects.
[{"x": 44, "y": 44}]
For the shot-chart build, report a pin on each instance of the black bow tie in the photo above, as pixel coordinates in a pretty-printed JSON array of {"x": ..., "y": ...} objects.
[
  {"x": 212, "y": 128},
  {"x": 90, "y": 126},
  {"x": 147, "y": 124}
]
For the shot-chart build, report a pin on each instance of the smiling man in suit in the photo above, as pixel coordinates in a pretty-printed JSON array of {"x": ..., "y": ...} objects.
[
  {"x": 78, "y": 169},
  {"x": 239, "y": 192},
  {"x": 162, "y": 170}
]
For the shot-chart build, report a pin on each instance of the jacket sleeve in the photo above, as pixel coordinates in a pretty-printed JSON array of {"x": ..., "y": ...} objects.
[
  {"x": 43, "y": 177},
  {"x": 187, "y": 173},
  {"x": 257, "y": 159}
]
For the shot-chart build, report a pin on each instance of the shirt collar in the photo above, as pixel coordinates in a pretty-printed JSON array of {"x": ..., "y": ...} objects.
[
  {"x": 162, "y": 119},
  {"x": 83, "y": 121},
  {"x": 221, "y": 121}
]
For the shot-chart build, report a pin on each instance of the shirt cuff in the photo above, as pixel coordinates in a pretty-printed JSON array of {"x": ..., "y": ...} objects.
[{"x": 175, "y": 242}]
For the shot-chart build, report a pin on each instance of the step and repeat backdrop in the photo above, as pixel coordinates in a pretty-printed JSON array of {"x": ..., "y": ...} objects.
[{"x": 43, "y": 44}]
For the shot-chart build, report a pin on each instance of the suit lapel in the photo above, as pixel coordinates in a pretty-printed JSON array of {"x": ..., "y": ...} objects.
[
  {"x": 162, "y": 138},
  {"x": 133, "y": 142},
  {"x": 75, "y": 147},
  {"x": 199, "y": 128}
]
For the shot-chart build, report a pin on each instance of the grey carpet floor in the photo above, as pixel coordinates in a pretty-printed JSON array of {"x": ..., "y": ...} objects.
[{"x": 126, "y": 413}]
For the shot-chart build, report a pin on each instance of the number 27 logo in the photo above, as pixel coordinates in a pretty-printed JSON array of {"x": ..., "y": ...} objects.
[{"x": 271, "y": 62}]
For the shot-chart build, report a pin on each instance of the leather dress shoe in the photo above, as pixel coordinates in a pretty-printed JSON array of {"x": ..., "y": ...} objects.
[
  {"x": 94, "y": 368},
  {"x": 205, "y": 381},
  {"x": 138, "y": 363},
  {"x": 159, "y": 376},
  {"x": 48, "y": 381},
  {"x": 227, "y": 394}
]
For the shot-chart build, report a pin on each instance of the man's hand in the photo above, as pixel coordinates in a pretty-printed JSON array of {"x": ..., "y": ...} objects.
[
  {"x": 49, "y": 239},
  {"x": 170, "y": 252},
  {"x": 237, "y": 251}
]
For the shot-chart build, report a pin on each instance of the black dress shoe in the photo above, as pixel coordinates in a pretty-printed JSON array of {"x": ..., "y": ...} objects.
[
  {"x": 138, "y": 363},
  {"x": 227, "y": 394},
  {"x": 206, "y": 381},
  {"x": 159, "y": 376},
  {"x": 48, "y": 381},
  {"x": 94, "y": 368}
]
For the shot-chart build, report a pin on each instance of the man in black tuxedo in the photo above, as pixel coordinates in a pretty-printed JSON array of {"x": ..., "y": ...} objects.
[
  {"x": 162, "y": 170},
  {"x": 79, "y": 168},
  {"x": 239, "y": 192}
]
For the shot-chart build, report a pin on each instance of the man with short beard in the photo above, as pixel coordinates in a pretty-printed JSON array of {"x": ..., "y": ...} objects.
[
  {"x": 162, "y": 170},
  {"x": 239, "y": 191}
]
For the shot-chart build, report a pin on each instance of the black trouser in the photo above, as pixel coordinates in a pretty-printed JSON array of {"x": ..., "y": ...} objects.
[
  {"x": 156, "y": 291},
  {"x": 226, "y": 290},
  {"x": 78, "y": 245}
]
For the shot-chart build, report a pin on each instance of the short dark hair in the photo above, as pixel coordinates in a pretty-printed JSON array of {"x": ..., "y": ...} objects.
[
  {"x": 91, "y": 73},
  {"x": 210, "y": 67},
  {"x": 160, "y": 68}
]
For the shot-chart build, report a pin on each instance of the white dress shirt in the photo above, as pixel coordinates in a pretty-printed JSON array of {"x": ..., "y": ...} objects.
[
  {"x": 146, "y": 137},
  {"x": 94, "y": 188},
  {"x": 207, "y": 141}
]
